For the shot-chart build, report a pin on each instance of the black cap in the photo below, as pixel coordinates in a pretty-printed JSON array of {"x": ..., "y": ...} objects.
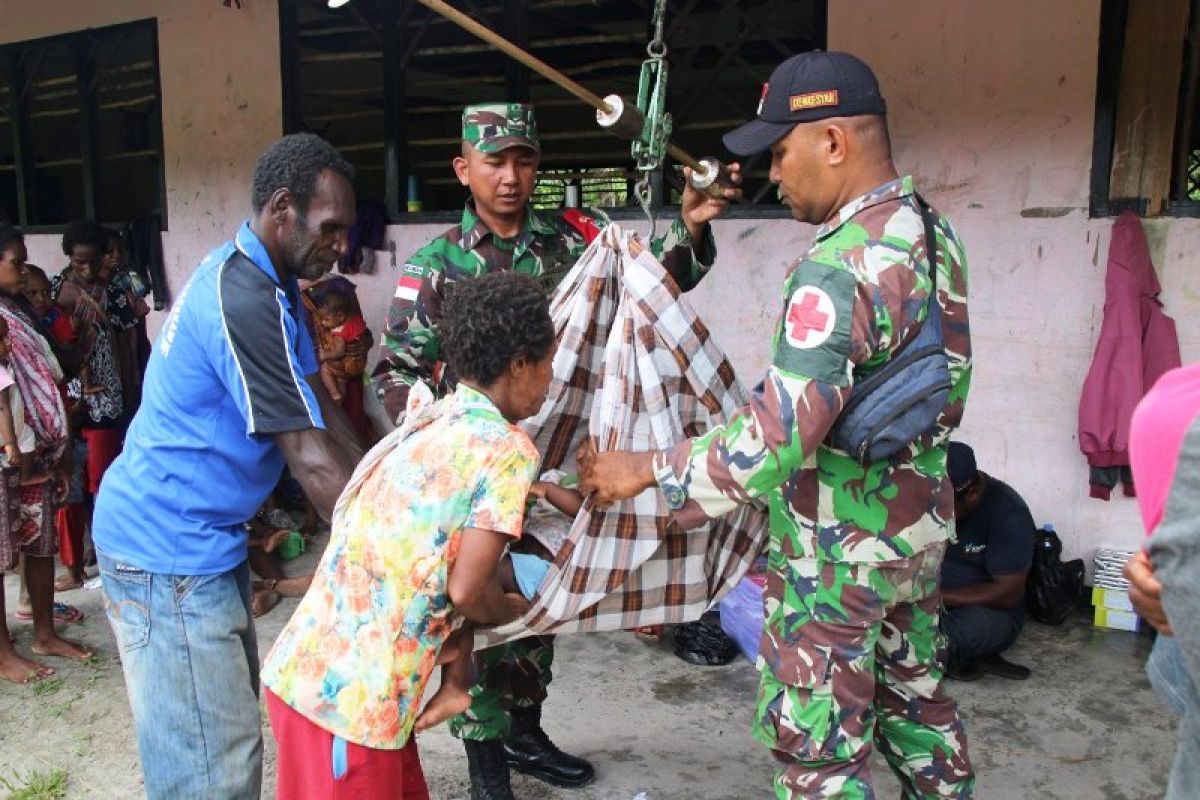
[
  {"x": 960, "y": 464},
  {"x": 805, "y": 88}
]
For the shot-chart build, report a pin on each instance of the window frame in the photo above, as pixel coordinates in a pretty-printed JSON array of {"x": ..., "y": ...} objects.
[
  {"x": 79, "y": 41},
  {"x": 515, "y": 13},
  {"x": 1114, "y": 15}
]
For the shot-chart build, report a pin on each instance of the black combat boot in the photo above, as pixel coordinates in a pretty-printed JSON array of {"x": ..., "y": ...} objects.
[
  {"x": 531, "y": 752},
  {"x": 488, "y": 770}
]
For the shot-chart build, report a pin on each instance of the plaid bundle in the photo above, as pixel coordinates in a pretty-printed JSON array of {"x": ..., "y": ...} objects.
[{"x": 636, "y": 369}]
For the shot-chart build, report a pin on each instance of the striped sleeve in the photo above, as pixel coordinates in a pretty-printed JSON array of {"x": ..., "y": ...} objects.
[{"x": 260, "y": 356}]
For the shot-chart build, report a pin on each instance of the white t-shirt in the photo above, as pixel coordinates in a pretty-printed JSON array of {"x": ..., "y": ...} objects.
[
  {"x": 26, "y": 442},
  {"x": 544, "y": 522}
]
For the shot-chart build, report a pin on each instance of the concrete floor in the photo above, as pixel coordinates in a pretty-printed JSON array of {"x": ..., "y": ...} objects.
[{"x": 1087, "y": 725}]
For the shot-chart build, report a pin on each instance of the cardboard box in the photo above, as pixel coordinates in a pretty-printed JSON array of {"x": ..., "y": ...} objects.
[
  {"x": 1117, "y": 599},
  {"x": 1116, "y": 620}
]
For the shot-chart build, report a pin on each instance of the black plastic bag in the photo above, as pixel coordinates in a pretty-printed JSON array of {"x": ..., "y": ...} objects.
[
  {"x": 704, "y": 644},
  {"x": 1054, "y": 587}
]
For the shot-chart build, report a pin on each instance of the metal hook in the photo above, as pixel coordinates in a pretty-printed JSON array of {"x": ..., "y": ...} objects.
[{"x": 642, "y": 192}]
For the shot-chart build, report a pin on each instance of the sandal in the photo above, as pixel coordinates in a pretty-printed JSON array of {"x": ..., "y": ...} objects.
[{"x": 66, "y": 614}]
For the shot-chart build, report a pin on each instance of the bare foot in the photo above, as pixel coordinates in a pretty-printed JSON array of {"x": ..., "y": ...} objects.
[
  {"x": 294, "y": 587},
  {"x": 16, "y": 669},
  {"x": 275, "y": 538},
  {"x": 442, "y": 706},
  {"x": 58, "y": 646},
  {"x": 66, "y": 583},
  {"x": 263, "y": 601}
]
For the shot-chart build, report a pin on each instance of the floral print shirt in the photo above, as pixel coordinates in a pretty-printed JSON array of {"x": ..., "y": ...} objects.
[{"x": 357, "y": 654}]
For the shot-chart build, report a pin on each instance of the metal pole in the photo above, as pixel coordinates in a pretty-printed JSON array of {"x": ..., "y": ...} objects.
[{"x": 542, "y": 68}]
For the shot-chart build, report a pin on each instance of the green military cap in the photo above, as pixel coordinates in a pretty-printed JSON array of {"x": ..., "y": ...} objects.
[{"x": 492, "y": 127}]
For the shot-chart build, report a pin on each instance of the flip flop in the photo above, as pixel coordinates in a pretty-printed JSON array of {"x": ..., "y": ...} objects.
[{"x": 66, "y": 614}]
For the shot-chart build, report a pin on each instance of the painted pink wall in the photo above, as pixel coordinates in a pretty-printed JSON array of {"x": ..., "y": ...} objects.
[
  {"x": 991, "y": 110},
  {"x": 219, "y": 69}
]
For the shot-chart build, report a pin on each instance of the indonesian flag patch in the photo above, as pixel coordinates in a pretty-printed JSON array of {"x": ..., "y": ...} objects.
[{"x": 409, "y": 288}]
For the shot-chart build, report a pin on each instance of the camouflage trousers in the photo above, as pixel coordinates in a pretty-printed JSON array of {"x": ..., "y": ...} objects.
[
  {"x": 851, "y": 654},
  {"x": 510, "y": 675}
]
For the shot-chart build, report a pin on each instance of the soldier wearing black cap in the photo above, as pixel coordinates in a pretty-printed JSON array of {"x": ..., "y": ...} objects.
[
  {"x": 851, "y": 644},
  {"x": 983, "y": 576}
]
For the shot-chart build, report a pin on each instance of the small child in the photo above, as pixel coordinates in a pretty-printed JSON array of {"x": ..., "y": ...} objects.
[
  {"x": 556, "y": 503},
  {"x": 417, "y": 550},
  {"x": 338, "y": 324},
  {"x": 57, "y": 321},
  {"x": 16, "y": 437},
  {"x": 63, "y": 341}
]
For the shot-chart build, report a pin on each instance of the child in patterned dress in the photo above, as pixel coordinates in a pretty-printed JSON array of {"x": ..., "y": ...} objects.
[{"x": 338, "y": 325}]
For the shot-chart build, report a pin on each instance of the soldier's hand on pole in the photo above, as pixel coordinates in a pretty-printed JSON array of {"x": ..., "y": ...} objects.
[{"x": 699, "y": 208}]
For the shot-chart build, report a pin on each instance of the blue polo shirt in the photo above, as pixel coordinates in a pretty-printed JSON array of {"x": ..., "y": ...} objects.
[{"x": 227, "y": 372}]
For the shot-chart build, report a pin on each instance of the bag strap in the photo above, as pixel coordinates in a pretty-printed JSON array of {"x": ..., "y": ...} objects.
[{"x": 930, "y": 241}]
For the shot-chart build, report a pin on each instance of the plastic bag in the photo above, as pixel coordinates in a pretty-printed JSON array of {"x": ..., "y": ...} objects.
[
  {"x": 1054, "y": 587},
  {"x": 742, "y": 615},
  {"x": 703, "y": 643}
]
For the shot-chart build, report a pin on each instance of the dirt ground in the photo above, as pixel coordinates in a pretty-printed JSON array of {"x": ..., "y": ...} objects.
[{"x": 1086, "y": 725}]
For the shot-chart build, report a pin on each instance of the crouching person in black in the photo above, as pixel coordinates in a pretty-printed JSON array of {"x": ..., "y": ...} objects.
[{"x": 984, "y": 572}]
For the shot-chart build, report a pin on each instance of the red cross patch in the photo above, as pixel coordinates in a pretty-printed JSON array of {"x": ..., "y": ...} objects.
[{"x": 810, "y": 318}]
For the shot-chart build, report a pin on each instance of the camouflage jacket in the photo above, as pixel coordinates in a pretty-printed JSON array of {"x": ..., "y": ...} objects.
[
  {"x": 856, "y": 297},
  {"x": 549, "y": 245}
]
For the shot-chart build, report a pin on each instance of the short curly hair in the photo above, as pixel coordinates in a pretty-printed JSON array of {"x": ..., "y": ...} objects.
[
  {"x": 84, "y": 232},
  {"x": 489, "y": 322},
  {"x": 294, "y": 163},
  {"x": 10, "y": 236}
]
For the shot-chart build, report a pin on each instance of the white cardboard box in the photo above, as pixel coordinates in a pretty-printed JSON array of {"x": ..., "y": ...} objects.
[{"x": 1117, "y": 599}]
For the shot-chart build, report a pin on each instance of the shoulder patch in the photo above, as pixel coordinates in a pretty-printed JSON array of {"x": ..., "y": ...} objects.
[{"x": 814, "y": 335}]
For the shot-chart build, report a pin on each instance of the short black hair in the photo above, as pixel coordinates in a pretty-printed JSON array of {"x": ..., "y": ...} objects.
[
  {"x": 336, "y": 302},
  {"x": 84, "y": 232},
  {"x": 114, "y": 237},
  {"x": 489, "y": 322},
  {"x": 10, "y": 236},
  {"x": 34, "y": 270},
  {"x": 294, "y": 163}
]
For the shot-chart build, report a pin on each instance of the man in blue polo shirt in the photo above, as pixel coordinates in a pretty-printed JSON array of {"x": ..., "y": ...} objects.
[{"x": 227, "y": 401}]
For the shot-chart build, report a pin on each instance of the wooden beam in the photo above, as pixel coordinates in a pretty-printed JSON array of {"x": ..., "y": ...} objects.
[
  {"x": 1148, "y": 98},
  {"x": 83, "y": 47},
  {"x": 22, "y": 138}
]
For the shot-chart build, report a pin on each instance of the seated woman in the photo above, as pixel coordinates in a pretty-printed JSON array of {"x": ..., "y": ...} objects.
[
  {"x": 417, "y": 549},
  {"x": 267, "y": 532}
]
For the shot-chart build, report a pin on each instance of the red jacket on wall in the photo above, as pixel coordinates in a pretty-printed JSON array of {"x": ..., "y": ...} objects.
[{"x": 1137, "y": 345}]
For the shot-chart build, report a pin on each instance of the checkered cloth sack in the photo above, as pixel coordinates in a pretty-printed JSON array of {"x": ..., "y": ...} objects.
[{"x": 636, "y": 369}]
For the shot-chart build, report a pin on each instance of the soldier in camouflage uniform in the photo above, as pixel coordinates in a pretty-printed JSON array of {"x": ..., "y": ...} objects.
[
  {"x": 851, "y": 650},
  {"x": 499, "y": 231}
]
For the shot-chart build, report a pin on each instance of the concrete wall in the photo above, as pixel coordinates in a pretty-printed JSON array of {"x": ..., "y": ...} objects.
[
  {"x": 221, "y": 96},
  {"x": 992, "y": 110}
]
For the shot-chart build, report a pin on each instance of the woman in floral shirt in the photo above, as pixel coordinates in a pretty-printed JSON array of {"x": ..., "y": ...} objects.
[{"x": 419, "y": 537}]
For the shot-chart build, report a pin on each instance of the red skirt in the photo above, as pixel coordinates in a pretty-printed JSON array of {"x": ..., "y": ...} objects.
[
  {"x": 305, "y": 763},
  {"x": 103, "y": 445}
]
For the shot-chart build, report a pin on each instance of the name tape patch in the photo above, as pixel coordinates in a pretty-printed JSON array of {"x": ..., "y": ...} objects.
[{"x": 801, "y": 102}]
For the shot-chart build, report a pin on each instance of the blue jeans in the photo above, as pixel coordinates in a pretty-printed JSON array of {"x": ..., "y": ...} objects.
[
  {"x": 191, "y": 670},
  {"x": 1168, "y": 672},
  {"x": 976, "y": 631}
]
